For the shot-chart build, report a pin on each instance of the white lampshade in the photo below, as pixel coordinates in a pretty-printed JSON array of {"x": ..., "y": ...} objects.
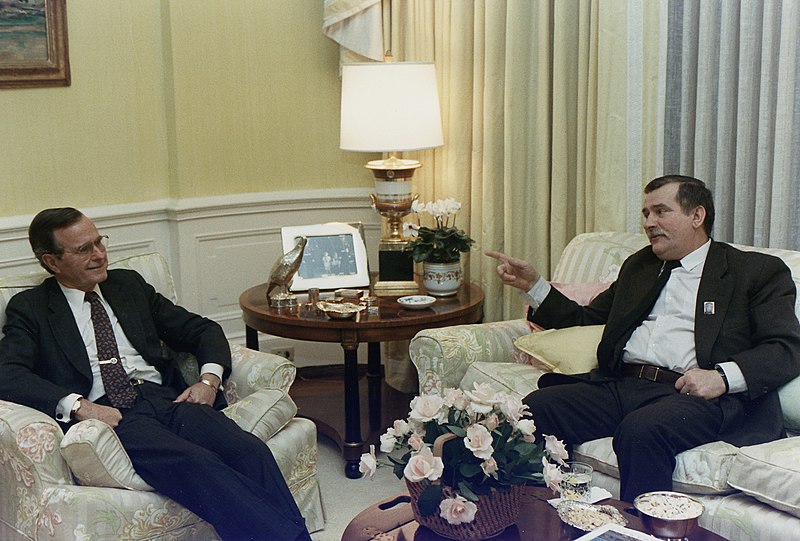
[{"x": 390, "y": 107}]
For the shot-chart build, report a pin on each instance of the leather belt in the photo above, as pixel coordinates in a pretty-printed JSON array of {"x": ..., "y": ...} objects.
[{"x": 650, "y": 373}]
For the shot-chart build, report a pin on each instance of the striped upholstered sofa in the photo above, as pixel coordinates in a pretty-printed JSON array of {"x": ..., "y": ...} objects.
[
  {"x": 81, "y": 486},
  {"x": 750, "y": 493}
]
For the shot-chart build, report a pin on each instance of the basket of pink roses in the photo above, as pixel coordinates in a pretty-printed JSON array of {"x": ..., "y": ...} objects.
[{"x": 465, "y": 457}]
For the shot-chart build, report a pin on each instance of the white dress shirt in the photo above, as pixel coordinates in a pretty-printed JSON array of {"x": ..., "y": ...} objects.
[
  {"x": 666, "y": 337},
  {"x": 135, "y": 366}
]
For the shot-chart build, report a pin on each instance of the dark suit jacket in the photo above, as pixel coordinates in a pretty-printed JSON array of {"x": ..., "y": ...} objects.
[
  {"x": 43, "y": 358},
  {"x": 753, "y": 325}
]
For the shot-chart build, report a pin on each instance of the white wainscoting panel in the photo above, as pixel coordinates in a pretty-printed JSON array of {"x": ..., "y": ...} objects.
[{"x": 217, "y": 247}]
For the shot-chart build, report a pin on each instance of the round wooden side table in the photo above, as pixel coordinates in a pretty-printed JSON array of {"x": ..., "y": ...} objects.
[{"x": 391, "y": 322}]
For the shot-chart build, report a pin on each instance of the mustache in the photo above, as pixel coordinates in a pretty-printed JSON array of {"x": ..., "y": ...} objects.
[{"x": 655, "y": 232}]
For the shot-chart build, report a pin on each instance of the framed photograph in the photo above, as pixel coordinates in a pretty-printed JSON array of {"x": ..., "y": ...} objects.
[
  {"x": 33, "y": 43},
  {"x": 335, "y": 256}
]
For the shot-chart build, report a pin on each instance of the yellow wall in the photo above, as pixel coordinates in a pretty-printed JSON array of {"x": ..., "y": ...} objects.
[{"x": 179, "y": 99}]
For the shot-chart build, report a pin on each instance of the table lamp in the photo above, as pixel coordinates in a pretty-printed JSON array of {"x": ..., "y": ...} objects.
[{"x": 391, "y": 107}]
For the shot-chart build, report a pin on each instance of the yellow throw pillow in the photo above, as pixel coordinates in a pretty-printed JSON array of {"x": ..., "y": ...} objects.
[{"x": 566, "y": 351}]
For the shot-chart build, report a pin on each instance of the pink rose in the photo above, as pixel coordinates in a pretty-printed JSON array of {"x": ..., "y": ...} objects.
[
  {"x": 387, "y": 442},
  {"x": 552, "y": 475},
  {"x": 401, "y": 427},
  {"x": 457, "y": 510},
  {"x": 428, "y": 407},
  {"x": 369, "y": 463},
  {"x": 479, "y": 441},
  {"x": 491, "y": 422},
  {"x": 489, "y": 466},
  {"x": 512, "y": 407},
  {"x": 423, "y": 465},
  {"x": 527, "y": 428},
  {"x": 456, "y": 398},
  {"x": 415, "y": 442},
  {"x": 483, "y": 398},
  {"x": 556, "y": 449}
]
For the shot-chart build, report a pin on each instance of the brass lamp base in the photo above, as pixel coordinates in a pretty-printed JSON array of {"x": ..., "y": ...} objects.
[{"x": 395, "y": 270}]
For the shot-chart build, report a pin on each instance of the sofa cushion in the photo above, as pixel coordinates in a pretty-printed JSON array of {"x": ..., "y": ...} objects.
[
  {"x": 96, "y": 457},
  {"x": 514, "y": 378},
  {"x": 702, "y": 470},
  {"x": 770, "y": 473},
  {"x": 262, "y": 413},
  {"x": 567, "y": 351},
  {"x": 790, "y": 404}
]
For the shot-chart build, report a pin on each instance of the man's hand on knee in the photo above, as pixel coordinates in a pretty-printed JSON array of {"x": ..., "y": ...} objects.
[
  {"x": 199, "y": 393},
  {"x": 706, "y": 384}
]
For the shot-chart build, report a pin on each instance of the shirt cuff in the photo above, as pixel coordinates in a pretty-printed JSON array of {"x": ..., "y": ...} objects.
[
  {"x": 537, "y": 293},
  {"x": 736, "y": 381},
  {"x": 213, "y": 368},
  {"x": 64, "y": 407}
]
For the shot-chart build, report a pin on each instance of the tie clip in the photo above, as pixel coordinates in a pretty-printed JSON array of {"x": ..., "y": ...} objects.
[{"x": 112, "y": 360}]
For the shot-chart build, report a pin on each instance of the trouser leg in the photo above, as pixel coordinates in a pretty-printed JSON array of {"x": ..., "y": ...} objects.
[
  {"x": 649, "y": 438},
  {"x": 574, "y": 413},
  {"x": 204, "y": 461},
  {"x": 650, "y": 423}
]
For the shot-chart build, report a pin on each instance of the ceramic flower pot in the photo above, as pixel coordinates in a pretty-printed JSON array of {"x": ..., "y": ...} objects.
[{"x": 441, "y": 279}]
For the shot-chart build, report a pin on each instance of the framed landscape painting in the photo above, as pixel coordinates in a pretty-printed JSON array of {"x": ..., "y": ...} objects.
[{"x": 33, "y": 43}]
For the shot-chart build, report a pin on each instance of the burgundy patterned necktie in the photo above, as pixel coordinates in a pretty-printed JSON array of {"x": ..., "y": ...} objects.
[{"x": 115, "y": 380}]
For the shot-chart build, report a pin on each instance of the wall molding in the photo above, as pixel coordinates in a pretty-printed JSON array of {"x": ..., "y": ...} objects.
[{"x": 216, "y": 246}]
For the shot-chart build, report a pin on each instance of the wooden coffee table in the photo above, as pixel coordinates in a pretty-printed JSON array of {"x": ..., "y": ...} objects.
[
  {"x": 392, "y": 322},
  {"x": 538, "y": 521}
]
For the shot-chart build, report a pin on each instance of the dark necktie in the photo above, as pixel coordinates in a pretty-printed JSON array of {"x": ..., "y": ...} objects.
[
  {"x": 635, "y": 317},
  {"x": 115, "y": 380}
]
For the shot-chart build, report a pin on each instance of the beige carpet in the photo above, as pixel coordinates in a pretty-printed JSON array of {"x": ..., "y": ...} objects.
[{"x": 343, "y": 498}]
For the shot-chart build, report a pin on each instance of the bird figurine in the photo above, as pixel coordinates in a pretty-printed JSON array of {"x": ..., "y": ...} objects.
[{"x": 282, "y": 273}]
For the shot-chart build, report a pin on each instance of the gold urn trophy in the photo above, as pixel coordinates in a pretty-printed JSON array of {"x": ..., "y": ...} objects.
[{"x": 392, "y": 200}]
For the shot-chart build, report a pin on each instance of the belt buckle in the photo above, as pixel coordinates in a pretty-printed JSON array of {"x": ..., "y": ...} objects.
[{"x": 643, "y": 375}]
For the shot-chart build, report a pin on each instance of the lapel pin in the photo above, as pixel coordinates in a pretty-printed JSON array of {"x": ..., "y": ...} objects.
[{"x": 708, "y": 308}]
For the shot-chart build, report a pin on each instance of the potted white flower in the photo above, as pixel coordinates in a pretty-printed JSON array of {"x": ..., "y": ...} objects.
[{"x": 439, "y": 248}]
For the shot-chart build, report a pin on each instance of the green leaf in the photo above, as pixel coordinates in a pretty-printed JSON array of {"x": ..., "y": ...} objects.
[
  {"x": 428, "y": 501},
  {"x": 465, "y": 490}
]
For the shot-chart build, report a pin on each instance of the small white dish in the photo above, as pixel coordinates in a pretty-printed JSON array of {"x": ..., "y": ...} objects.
[{"x": 416, "y": 302}]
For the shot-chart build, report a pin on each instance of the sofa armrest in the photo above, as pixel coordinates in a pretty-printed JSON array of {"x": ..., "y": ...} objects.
[
  {"x": 443, "y": 355},
  {"x": 30, "y": 461},
  {"x": 254, "y": 370}
]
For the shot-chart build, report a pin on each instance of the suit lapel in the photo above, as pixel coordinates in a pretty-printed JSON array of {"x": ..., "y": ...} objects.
[
  {"x": 713, "y": 298},
  {"x": 65, "y": 330}
]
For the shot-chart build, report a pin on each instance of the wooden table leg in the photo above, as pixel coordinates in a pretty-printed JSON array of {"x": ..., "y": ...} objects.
[
  {"x": 353, "y": 444},
  {"x": 374, "y": 383},
  {"x": 251, "y": 338}
]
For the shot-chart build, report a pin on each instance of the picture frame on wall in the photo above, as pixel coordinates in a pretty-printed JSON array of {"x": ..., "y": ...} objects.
[
  {"x": 34, "y": 50},
  {"x": 335, "y": 256}
]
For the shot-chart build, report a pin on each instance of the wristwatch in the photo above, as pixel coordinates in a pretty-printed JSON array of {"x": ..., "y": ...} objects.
[{"x": 724, "y": 377}]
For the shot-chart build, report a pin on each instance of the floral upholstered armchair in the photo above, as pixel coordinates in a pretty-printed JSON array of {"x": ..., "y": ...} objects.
[{"x": 81, "y": 485}]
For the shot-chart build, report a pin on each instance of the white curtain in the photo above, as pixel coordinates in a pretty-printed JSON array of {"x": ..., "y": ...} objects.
[
  {"x": 731, "y": 112},
  {"x": 542, "y": 109}
]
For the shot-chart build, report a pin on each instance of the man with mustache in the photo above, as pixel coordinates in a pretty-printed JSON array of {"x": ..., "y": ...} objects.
[
  {"x": 697, "y": 361},
  {"x": 87, "y": 344}
]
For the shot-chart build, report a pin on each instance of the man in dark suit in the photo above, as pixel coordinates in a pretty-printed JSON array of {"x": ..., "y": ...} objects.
[
  {"x": 697, "y": 361},
  {"x": 53, "y": 358}
]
